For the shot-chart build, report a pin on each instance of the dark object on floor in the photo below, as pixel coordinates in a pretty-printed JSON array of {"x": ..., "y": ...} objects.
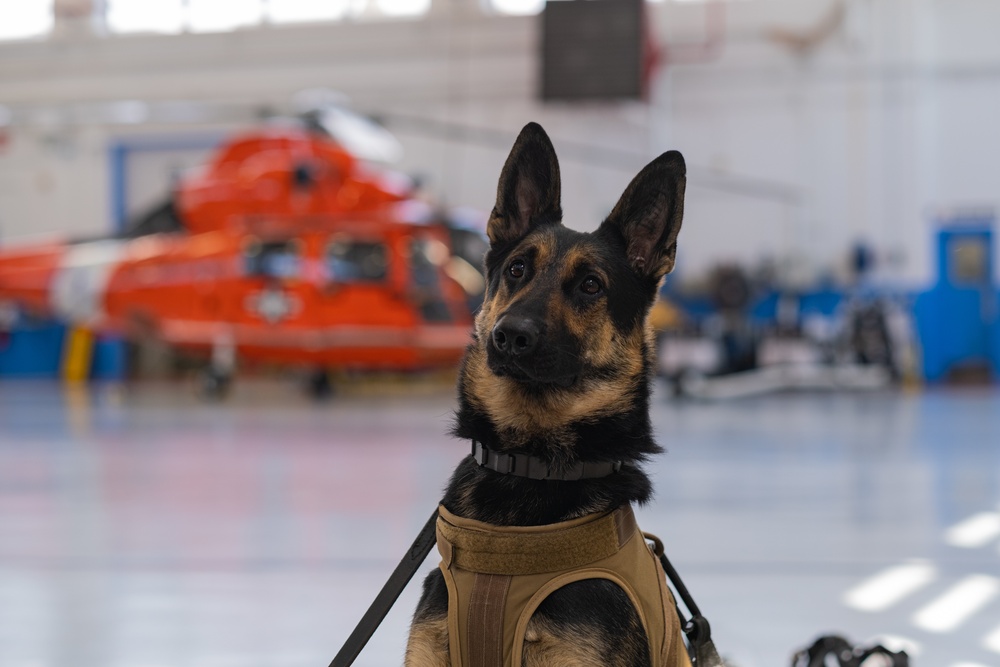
[{"x": 844, "y": 654}]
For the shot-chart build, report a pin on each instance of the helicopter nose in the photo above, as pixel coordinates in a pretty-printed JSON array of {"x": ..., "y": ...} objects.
[{"x": 516, "y": 335}]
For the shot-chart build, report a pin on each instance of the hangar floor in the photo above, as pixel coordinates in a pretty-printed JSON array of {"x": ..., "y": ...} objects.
[{"x": 149, "y": 530}]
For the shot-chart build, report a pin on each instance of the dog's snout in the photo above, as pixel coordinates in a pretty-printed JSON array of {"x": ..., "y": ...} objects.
[{"x": 516, "y": 335}]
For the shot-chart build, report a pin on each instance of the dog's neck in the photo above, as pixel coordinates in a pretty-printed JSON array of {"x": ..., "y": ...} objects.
[{"x": 492, "y": 497}]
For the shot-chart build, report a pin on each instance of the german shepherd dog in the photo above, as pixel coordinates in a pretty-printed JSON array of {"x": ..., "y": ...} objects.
[{"x": 559, "y": 368}]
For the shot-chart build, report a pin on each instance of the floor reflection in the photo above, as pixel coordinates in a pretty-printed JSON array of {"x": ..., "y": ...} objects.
[{"x": 146, "y": 529}]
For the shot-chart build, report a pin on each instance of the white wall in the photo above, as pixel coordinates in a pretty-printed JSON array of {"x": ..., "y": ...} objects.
[{"x": 889, "y": 119}]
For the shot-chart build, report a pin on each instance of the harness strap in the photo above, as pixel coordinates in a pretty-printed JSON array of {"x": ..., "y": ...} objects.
[
  {"x": 486, "y": 607},
  {"x": 479, "y": 547}
]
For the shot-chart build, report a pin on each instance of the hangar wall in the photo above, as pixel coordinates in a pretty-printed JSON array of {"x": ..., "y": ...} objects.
[{"x": 795, "y": 152}]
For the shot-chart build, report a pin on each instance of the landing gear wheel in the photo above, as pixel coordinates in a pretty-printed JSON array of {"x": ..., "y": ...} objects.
[
  {"x": 215, "y": 385},
  {"x": 320, "y": 387}
]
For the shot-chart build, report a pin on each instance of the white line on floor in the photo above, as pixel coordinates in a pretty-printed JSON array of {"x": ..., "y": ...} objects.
[
  {"x": 967, "y": 664},
  {"x": 958, "y": 603},
  {"x": 976, "y": 531},
  {"x": 890, "y": 586},
  {"x": 992, "y": 640}
]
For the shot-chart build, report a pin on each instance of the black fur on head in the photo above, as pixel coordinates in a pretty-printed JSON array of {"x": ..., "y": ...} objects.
[{"x": 561, "y": 357}]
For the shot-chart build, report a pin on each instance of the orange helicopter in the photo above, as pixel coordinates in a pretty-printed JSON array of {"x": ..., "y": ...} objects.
[{"x": 285, "y": 247}]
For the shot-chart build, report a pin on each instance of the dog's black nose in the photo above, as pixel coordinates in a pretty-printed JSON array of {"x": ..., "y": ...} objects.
[{"x": 516, "y": 335}]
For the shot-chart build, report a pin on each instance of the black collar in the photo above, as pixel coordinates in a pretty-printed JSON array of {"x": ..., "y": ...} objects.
[{"x": 532, "y": 467}]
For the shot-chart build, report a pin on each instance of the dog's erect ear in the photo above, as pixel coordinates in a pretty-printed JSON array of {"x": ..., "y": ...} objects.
[
  {"x": 648, "y": 215},
  {"x": 528, "y": 192}
]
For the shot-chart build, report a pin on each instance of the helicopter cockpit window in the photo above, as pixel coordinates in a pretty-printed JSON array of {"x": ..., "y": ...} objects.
[
  {"x": 357, "y": 262},
  {"x": 273, "y": 259},
  {"x": 427, "y": 256}
]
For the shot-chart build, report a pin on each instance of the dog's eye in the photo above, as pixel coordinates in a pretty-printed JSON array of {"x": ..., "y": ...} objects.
[
  {"x": 590, "y": 285},
  {"x": 516, "y": 269}
]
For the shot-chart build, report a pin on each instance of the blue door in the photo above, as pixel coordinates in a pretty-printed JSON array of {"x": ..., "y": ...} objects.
[{"x": 957, "y": 318}]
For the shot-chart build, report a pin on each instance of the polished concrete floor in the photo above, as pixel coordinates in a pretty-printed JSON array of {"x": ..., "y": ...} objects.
[{"x": 141, "y": 528}]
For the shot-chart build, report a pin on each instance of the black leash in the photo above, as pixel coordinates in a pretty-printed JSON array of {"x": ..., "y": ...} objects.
[
  {"x": 696, "y": 629},
  {"x": 401, "y": 576},
  {"x": 701, "y": 648}
]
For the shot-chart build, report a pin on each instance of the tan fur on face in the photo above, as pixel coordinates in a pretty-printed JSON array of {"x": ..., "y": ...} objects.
[
  {"x": 601, "y": 348},
  {"x": 523, "y": 415},
  {"x": 604, "y": 345},
  {"x": 428, "y": 644},
  {"x": 576, "y": 257},
  {"x": 542, "y": 245}
]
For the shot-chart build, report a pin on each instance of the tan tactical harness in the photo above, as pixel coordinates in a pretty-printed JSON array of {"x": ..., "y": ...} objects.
[{"x": 498, "y": 575}]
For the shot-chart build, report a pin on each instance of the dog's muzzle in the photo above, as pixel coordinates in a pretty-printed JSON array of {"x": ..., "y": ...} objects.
[
  {"x": 515, "y": 335},
  {"x": 520, "y": 348}
]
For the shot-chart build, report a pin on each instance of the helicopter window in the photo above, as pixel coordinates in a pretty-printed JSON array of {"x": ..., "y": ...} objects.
[
  {"x": 357, "y": 261},
  {"x": 426, "y": 258},
  {"x": 274, "y": 259}
]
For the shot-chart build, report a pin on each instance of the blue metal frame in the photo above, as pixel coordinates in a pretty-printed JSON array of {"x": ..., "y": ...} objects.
[
  {"x": 109, "y": 352},
  {"x": 34, "y": 348},
  {"x": 121, "y": 149}
]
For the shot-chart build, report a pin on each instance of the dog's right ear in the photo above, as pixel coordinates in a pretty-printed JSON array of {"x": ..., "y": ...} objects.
[{"x": 528, "y": 191}]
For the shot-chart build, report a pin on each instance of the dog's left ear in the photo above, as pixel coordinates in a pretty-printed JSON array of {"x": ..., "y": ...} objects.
[{"x": 648, "y": 215}]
